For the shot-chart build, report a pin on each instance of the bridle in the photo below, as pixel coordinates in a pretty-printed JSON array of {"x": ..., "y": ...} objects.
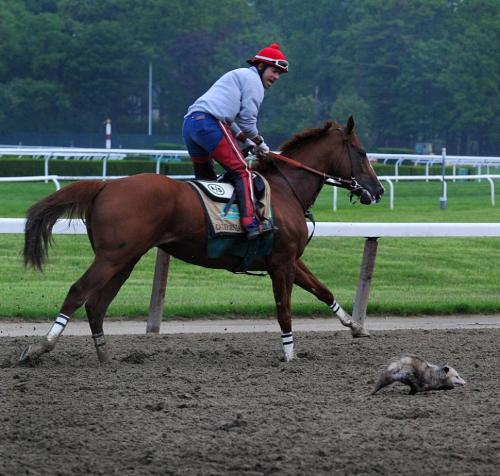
[{"x": 351, "y": 184}]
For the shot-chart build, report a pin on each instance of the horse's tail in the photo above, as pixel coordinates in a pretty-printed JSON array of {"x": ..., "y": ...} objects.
[{"x": 74, "y": 200}]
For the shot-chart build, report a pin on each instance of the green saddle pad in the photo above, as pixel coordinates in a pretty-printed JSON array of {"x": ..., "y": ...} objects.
[
  {"x": 225, "y": 234},
  {"x": 247, "y": 250}
]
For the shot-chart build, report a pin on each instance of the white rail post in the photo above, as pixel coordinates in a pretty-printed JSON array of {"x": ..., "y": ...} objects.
[
  {"x": 158, "y": 292},
  {"x": 108, "y": 133},
  {"x": 365, "y": 280},
  {"x": 46, "y": 166},
  {"x": 104, "y": 166},
  {"x": 442, "y": 201}
]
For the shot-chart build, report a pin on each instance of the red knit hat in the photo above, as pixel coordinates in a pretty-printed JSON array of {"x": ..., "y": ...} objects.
[{"x": 273, "y": 56}]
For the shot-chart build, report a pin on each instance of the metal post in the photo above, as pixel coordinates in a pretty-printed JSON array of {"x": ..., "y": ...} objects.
[
  {"x": 46, "y": 166},
  {"x": 150, "y": 100},
  {"x": 442, "y": 201},
  {"x": 108, "y": 133},
  {"x": 364, "y": 283},
  {"x": 158, "y": 292}
]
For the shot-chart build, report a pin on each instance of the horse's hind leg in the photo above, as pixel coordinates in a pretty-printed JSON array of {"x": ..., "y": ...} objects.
[
  {"x": 98, "y": 274},
  {"x": 96, "y": 308},
  {"x": 306, "y": 280}
]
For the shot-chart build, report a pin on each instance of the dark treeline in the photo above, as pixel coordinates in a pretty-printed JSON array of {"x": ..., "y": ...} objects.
[{"x": 408, "y": 70}]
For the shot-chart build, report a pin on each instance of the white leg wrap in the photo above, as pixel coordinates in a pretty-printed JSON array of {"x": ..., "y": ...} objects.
[
  {"x": 287, "y": 341},
  {"x": 344, "y": 318},
  {"x": 99, "y": 339},
  {"x": 100, "y": 347},
  {"x": 57, "y": 328}
]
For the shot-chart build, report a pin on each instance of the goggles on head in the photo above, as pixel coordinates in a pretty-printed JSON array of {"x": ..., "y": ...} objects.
[{"x": 279, "y": 63}]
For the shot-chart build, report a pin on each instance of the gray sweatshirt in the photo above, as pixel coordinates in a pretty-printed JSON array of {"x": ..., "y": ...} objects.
[{"x": 235, "y": 99}]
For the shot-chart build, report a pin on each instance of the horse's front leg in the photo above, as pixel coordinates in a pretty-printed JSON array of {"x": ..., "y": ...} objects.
[
  {"x": 306, "y": 280},
  {"x": 282, "y": 278}
]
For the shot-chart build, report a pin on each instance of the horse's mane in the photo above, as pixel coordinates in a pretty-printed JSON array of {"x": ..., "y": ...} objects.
[
  {"x": 288, "y": 147},
  {"x": 306, "y": 135}
]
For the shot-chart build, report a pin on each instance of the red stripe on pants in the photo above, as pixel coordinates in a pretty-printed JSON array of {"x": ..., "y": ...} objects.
[{"x": 228, "y": 154}]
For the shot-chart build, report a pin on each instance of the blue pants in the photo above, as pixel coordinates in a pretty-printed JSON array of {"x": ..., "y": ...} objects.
[{"x": 208, "y": 138}]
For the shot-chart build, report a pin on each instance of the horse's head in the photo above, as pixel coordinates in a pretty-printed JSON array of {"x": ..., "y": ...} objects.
[{"x": 354, "y": 164}]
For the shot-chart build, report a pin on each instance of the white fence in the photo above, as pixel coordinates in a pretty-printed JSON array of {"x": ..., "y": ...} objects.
[
  {"x": 333, "y": 229},
  {"x": 370, "y": 231},
  {"x": 426, "y": 178},
  {"x": 67, "y": 153},
  {"x": 164, "y": 155},
  {"x": 481, "y": 163},
  {"x": 48, "y": 153}
]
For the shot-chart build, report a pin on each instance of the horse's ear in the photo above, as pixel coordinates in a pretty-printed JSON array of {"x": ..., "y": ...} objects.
[{"x": 350, "y": 125}]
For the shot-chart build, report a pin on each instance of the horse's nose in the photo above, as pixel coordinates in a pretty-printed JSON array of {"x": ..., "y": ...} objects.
[{"x": 379, "y": 192}]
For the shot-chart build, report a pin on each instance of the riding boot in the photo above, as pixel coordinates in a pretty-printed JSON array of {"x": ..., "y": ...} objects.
[
  {"x": 205, "y": 171},
  {"x": 256, "y": 229}
]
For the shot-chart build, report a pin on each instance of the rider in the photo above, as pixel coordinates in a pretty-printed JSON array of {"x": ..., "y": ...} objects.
[{"x": 229, "y": 110}]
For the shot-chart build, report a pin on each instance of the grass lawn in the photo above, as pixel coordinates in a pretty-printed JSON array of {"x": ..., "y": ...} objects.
[{"x": 411, "y": 276}]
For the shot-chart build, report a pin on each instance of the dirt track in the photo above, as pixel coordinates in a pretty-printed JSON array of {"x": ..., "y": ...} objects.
[{"x": 224, "y": 404}]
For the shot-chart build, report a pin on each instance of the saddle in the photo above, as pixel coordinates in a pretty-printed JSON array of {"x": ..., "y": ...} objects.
[
  {"x": 225, "y": 233},
  {"x": 219, "y": 201}
]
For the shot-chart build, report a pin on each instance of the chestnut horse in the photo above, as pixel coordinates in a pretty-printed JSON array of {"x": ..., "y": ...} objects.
[{"x": 127, "y": 217}]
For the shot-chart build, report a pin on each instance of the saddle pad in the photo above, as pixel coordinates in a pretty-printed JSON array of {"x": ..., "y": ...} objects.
[
  {"x": 223, "y": 218},
  {"x": 218, "y": 191}
]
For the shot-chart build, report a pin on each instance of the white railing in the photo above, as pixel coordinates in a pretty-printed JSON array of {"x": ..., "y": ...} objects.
[
  {"x": 36, "y": 178},
  {"x": 370, "y": 231},
  {"x": 421, "y": 178},
  {"x": 338, "y": 229},
  {"x": 480, "y": 162},
  {"x": 78, "y": 153},
  {"x": 47, "y": 153},
  {"x": 389, "y": 179}
]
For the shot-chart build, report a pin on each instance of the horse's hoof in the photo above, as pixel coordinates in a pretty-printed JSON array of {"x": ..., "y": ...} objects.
[
  {"x": 286, "y": 358},
  {"x": 359, "y": 331},
  {"x": 104, "y": 358},
  {"x": 30, "y": 355}
]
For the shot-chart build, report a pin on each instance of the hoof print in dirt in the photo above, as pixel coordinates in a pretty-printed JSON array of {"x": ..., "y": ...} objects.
[
  {"x": 135, "y": 358},
  {"x": 21, "y": 386},
  {"x": 236, "y": 423},
  {"x": 156, "y": 407},
  {"x": 307, "y": 355},
  {"x": 411, "y": 415}
]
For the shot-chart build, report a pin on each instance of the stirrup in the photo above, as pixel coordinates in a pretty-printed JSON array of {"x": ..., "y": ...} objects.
[{"x": 255, "y": 229}]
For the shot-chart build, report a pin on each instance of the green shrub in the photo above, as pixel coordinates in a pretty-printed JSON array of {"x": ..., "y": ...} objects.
[
  {"x": 169, "y": 146},
  {"x": 394, "y": 150},
  {"x": 21, "y": 167}
]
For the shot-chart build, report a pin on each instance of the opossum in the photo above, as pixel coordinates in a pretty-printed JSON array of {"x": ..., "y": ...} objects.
[{"x": 418, "y": 374}]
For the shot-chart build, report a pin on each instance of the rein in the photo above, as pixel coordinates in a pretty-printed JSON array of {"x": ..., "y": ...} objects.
[
  {"x": 307, "y": 213},
  {"x": 352, "y": 185},
  {"x": 340, "y": 182}
]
